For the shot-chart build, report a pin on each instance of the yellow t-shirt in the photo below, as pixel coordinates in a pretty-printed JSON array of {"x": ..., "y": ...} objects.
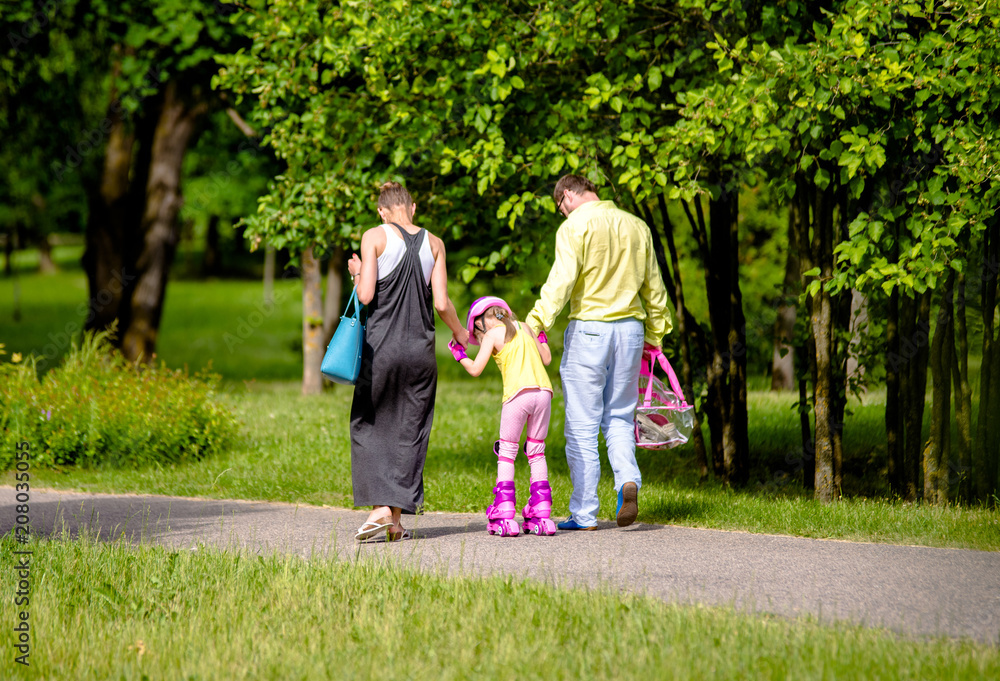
[{"x": 520, "y": 365}]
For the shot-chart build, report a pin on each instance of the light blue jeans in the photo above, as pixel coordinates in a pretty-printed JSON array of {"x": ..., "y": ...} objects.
[{"x": 600, "y": 374}]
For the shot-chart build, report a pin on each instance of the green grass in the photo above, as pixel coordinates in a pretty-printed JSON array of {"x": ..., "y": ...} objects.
[
  {"x": 137, "y": 612},
  {"x": 222, "y": 324},
  {"x": 297, "y": 448}
]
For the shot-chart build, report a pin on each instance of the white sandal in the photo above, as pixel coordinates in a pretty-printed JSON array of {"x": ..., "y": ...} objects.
[{"x": 373, "y": 527}]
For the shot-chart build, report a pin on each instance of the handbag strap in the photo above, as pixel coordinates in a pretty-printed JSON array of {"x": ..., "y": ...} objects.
[
  {"x": 675, "y": 385},
  {"x": 353, "y": 301}
]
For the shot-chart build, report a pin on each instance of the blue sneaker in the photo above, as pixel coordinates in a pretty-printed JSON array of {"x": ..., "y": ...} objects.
[
  {"x": 628, "y": 504},
  {"x": 570, "y": 524}
]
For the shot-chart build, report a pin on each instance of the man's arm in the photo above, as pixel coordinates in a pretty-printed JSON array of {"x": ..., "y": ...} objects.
[
  {"x": 654, "y": 299},
  {"x": 562, "y": 278}
]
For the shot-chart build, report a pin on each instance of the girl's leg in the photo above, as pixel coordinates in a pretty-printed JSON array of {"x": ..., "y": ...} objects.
[
  {"x": 538, "y": 511},
  {"x": 513, "y": 415},
  {"x": 538, "y": 429},
  {"x": 500, "y": 514}
]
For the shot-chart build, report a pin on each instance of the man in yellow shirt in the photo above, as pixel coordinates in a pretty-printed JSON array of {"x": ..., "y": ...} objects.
[{"x": 605, "y": 268}]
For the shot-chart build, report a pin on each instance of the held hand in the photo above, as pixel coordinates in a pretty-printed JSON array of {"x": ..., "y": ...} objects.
[
  {"x": 457, "y": 351},
  {"x": 542, "y": 338},
  {"x": 461, "y": 337},
  {"x": 649, "y": 351}
]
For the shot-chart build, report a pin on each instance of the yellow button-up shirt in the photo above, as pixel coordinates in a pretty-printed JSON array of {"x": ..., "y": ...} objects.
[{"x": 606, "y": 268}]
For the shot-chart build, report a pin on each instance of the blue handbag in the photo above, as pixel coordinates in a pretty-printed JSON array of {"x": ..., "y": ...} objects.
[{"x": 342, "y": 361}]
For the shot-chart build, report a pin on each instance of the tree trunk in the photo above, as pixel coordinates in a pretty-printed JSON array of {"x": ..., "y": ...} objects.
[
  {"x": 269, "y": 267},
  {"x": 312, "y": 324},
  {"x": 986, "y": 455},
  {"x": 676, "y": 287},
  {"x": 937, "y": 451},
  {"x": 915, "y": 327},
  {"x": 858, "y": 321},
  {"x": 843, "y": 307},
  {"x": 821, "y": 320},
  {"x": 783, "y": 357},
  {"x": 104, "y": 259},
  {"x": 45, "y": 264},
  {"x": 738, "y": 447},
  {"x": 805, "y": 353},
  {"x": 212, "y": 264},
  {"x": 727, "y": 369},
  {"x": 334, "y": 291},
  {"x": 963, "y": 396},
  {"x": 894, "y": 432},
  {"x": 714, "y": 405},
  {"x": 159, "y": 226}
]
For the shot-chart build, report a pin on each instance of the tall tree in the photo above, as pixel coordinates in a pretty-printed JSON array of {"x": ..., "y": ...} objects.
[{"x": 149, "y": 63}]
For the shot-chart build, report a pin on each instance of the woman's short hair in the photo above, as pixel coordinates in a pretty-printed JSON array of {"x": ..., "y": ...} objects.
[
  {"x": 393, "y": 194},
  {"x": 573, "y": 183}
]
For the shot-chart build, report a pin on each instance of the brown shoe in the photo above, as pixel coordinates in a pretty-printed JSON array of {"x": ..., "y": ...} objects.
[{"x": 628, "y": 504}]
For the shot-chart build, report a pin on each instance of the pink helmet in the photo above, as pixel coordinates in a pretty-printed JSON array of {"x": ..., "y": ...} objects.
[{"x": 478, "y": 307}]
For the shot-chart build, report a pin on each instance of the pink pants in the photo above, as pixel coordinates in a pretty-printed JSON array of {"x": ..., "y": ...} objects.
[{"x": 531, "y": 407}]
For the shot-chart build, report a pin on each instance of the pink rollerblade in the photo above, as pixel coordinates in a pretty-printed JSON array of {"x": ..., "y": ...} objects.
[
  {"x": 536, "y": 513},
  {"x": 500, "y": 514}
]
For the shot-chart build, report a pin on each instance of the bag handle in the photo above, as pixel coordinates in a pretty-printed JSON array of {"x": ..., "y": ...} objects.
[
  {"x": 675, "y": 385},
  {"x": 353, "y": 301}
]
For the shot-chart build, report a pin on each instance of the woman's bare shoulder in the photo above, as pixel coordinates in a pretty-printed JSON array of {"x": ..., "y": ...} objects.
[
  {"x": 378, "y": 232},
  {"x": 435, "y": 242}
]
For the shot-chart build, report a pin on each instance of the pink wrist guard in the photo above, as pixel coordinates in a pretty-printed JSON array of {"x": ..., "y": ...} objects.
[
  {"x": 542, "y": 338},
  {"x": 457, "y": 351}
]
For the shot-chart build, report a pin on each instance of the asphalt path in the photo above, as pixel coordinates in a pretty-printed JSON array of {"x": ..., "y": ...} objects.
[{"x": 913, "y": 590}]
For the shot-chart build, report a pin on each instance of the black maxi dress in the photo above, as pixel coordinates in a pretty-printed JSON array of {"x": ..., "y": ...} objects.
[{"x": 393, "y": 404}]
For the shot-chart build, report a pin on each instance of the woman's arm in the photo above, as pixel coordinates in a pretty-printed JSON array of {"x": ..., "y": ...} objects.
[
  {"x": 364, "y": 270},
  {"x": 442, "y": 303}
]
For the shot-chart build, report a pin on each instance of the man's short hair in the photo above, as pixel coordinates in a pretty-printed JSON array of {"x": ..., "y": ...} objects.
[{"x": 573, "y": 183}]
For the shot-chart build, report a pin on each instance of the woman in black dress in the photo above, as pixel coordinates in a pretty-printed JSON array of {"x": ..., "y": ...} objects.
[{"x": 401, "y": 277}]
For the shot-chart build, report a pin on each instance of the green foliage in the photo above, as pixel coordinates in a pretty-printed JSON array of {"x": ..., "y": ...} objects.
[
  {"x": 98, "y": 410},
  {"x": 889, "y": 110},
  {"x": 66, "y": 68}
]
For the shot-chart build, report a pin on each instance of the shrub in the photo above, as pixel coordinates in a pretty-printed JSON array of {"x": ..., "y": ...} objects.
[{"x": 98, "y": 409}]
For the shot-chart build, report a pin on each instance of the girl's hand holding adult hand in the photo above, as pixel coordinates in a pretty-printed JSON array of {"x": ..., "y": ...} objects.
[{"x": 457, "y": 351}]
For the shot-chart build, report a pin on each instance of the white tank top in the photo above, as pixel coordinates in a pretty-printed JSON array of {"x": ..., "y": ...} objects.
[{"x": 393, "y": 254}]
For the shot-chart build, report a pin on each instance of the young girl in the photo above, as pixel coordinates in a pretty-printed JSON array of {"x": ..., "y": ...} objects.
[{"x": 527, "y": 400}]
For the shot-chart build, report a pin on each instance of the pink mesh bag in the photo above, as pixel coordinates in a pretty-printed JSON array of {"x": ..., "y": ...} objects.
[{"x": 663, "y": 418}]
